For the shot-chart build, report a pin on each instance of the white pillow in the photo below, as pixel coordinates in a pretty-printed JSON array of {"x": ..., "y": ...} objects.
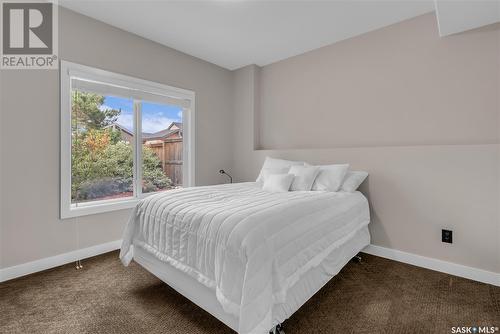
[
  {"x": 277, "y": 183},
  {"x": 353, "y": 180},
  {"x": 330, "y": 177},
  {"x": 268, "y": 171},
  {"x": 273, "y": 164},
  {"x": 303, "y": 177}
]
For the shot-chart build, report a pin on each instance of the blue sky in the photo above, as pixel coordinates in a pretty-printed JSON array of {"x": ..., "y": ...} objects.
[{"x": 155, "y": 117}]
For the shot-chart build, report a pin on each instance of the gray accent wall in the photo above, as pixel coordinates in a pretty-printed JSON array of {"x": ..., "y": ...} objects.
[{"x": 420, "y": 113}]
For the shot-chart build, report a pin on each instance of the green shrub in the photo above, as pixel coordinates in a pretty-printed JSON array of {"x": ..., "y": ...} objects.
[
  {"x": 103, "y": 166},
  {"x": 106, "y": 186}
]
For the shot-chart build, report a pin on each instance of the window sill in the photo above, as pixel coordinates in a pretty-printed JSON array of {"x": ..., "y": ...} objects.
[
  {"x": 103, "y": 206},
  {"x": 86, "y": 209}
]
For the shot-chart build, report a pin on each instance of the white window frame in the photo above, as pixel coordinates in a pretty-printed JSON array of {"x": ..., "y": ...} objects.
[{"x": 69, "y": 70}]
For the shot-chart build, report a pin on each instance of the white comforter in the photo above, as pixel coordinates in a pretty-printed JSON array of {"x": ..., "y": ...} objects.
[{"x": 248, "y": 245}]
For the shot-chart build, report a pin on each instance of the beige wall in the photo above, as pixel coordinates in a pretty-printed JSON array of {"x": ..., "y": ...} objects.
[
  {"x": 402, "y": 85},
  {"x": 420, "y": 113},
  {"x": 30, "y": 228}
]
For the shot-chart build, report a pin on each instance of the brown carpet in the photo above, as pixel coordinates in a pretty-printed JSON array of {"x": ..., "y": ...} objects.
[{"x": 376, "y": 296}]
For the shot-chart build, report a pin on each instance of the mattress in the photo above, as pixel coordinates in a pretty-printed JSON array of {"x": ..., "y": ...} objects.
[{"x": 247, "y": 245}]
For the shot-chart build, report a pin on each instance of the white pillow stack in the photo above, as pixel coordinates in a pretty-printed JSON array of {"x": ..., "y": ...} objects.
[
  {"x": 270, "y": 171},
  {"x": 276, "y": 166},
  {"x": 278, "y": 175}
]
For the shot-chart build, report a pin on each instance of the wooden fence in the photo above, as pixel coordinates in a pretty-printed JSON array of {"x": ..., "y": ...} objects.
[{"x": 170, "y": 153}]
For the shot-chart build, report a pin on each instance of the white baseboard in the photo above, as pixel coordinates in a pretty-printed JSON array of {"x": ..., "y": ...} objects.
[
  {"x": 388, "y": 253},
  {"x": 58, "y": 260},
  {"x": 475, "y": 274}
]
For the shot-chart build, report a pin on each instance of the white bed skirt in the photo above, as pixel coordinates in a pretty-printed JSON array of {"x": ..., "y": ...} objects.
[{"x": 309, "y": 283}]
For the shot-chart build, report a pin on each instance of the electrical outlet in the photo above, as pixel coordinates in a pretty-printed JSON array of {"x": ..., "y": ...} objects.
[{"x": 447, "y": 236}]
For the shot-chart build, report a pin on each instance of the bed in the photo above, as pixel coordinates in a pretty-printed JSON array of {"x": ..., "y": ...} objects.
[{"x": 249, "y": 257}]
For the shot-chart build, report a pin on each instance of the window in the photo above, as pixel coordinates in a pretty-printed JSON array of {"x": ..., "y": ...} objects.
[{"x": 122, "y": 139}]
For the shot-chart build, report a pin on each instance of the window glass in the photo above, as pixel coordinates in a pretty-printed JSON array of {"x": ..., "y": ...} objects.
[
  {"x": 102, "y": 132},
  {"x": 162, "y": 136}
]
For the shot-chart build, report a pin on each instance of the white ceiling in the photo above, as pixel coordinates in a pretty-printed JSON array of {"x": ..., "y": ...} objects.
[
  {"x": 458, "y": 16},
  {"x": 236, "y": 33}
]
